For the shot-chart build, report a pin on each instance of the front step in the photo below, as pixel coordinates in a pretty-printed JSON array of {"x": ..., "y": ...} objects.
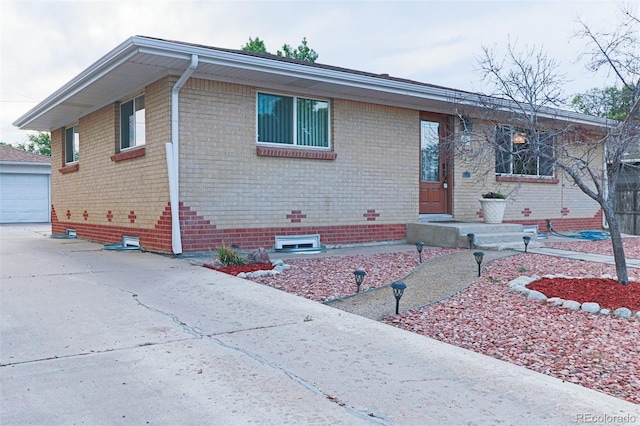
[
  {"x": 454, "y": 234},
  {"x": 425, "y": 218}
]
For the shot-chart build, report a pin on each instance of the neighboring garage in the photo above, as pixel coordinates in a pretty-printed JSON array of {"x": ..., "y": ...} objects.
[{"x": 25, "y": 186}]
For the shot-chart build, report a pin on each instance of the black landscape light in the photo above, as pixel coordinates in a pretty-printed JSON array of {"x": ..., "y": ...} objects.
[
  {"x": 478, "y": 255},
  {"x": 471, "y": 237},
  {"x": 398, "y": 288},
  {"x": 526, "y": 242},
  {"x": 419, "y": 247},
  {"x": 359, "y": 274}
]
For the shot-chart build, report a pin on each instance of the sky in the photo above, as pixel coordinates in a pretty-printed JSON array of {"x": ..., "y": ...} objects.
[{"x": 44, "y": 44}]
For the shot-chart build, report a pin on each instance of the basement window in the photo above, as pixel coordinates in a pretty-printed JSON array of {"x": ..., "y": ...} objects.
[{"x": 298, "y": 242}]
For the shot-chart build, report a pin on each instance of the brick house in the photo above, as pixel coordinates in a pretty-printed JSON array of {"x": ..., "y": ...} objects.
[{"x": 189, "y": 146}]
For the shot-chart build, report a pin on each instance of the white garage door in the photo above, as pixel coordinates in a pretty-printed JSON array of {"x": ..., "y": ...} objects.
[{"x": 24, "y": 198}]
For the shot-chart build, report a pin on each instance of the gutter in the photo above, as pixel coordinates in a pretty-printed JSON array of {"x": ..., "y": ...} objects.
[
  {"x": 173, "y": 157},
  {"x": 150, "y": 47}
]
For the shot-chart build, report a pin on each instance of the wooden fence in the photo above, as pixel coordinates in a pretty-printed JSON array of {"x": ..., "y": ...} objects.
[{"x": 627, "y": 201}]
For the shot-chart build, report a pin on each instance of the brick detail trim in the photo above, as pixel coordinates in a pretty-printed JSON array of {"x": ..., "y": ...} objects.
[
  {"x": 69, "y": 169},
  {"x": 200, "y": 235},
  {"x": 296, "y": 216},
  {"x": 371, "y": 215},
  {"x": 526, "y": 212},
  {"x": 310, "y": 154},
  {"x": 128, "y": 154},
  {"x": 564, "y": 224},
  {"x": 157, "y": 239}
]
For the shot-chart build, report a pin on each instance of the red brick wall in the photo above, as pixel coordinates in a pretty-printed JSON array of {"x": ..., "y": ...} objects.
[
  {"x": 565, "y": 224},
  {"x": 200, "y": 235}
]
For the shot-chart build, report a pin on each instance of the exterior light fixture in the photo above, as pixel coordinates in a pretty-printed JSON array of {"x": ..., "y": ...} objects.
[
  {"x": 479, "y": 255},
  {"x": 520, "y": 138},
  {"x": 419, "y": 247},
  {"x": 359, "y": 274},
  {"x": 526, "y": 240},
  {"x": 471, "y": 237},
  {"x": 398, "y": 289}
]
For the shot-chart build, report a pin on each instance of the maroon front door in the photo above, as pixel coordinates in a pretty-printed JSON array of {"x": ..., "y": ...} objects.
[{"x": 435, "y": 185}]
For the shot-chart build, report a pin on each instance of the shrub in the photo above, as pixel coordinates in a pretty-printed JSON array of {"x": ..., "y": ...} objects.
[
  {"x": 228, "y": 256},
  {"x": 494, "y": 195}
]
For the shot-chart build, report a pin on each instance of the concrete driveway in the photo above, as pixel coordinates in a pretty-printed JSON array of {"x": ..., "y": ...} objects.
[{"x": 105, "y": 338}]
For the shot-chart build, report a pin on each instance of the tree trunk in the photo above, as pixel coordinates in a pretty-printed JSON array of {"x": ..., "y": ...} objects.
[{"x": 616, "y": 242}]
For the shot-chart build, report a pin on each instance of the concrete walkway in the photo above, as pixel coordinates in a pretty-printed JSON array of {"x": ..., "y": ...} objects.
[
  {"x": 127, "y": 338},
  {"x": 432, "y": 281},
  {"x": 590, "y": 257},
  {"x": 440, "y": 278}
]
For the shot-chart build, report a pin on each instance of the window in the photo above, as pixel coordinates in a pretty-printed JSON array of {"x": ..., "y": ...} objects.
[
  {"x": 132, "y": 123},
  {"x": 71, "y": 145},
  {"x": 521, "y": 152},
  {"x": 294, "y": 121}
]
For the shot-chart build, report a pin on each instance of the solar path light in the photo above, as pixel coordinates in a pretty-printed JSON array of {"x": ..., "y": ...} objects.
[
  {"x": 478, "y": 255},
  {"x": 471, "y": 237},
  {"x": 419, "y": 247},
  {"x": 526, "y": 240},
  {"x": 359, "y": 274},
  {"x": 398, "y": 288}
]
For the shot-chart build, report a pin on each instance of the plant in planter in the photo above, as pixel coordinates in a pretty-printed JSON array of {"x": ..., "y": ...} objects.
[
  {"x": 493, "y": 206},
  {"x": 494, "y": 195}
]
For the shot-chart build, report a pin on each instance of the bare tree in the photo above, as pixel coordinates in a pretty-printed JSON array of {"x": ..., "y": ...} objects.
[
  {"x": 618, "y": 52},
  {"x": 539, "y": 139}
]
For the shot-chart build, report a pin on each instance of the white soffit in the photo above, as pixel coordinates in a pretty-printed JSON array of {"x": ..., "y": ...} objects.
[{"x": 142, "y": 60}]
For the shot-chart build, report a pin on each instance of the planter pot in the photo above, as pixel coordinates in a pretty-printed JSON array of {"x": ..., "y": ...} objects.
[{"x": 493, "y": 209}]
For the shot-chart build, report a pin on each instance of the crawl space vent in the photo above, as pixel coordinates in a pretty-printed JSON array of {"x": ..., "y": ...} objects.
[{"x": 298, "y": 243}]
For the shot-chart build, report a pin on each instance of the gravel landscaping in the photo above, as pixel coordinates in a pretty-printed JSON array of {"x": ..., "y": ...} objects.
[
  {"x": 329, "y": 278},
  {"x": 596, "y": 351}
]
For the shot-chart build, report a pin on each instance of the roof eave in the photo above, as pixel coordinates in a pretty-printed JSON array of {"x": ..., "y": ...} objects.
[
  {"x": 101, "y": 67},
  {"x": 236, "y": 60}
]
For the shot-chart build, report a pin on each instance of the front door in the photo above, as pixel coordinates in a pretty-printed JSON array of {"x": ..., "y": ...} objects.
[{"x": 434, "y": 166}]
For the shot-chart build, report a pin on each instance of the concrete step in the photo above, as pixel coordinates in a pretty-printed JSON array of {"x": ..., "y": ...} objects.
[
  {"x": 454, "y": 234},
  {"x": 425, "y": 218},
  {"x": 500, "y": 237},
  {"x": 518, "y": 246}
]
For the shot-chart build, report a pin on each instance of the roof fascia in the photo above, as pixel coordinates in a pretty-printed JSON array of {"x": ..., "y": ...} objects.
[
  {"x": 100, "y": 68},
  {"x": 177, "y": 50},
  {"x": 24, "y": 163},
  {"x": 254, "y": 63}
]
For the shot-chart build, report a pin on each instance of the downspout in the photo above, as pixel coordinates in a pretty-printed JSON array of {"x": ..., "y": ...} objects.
[{"x": 173, "y": 158}]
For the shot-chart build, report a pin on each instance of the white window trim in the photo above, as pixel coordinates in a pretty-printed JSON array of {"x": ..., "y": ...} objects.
[
  {"x": 512, "y": 130},
  {"x": 75, "y": 130},
  {"x": 295, "y": 121},
  {"x": 133, "y": 98}
]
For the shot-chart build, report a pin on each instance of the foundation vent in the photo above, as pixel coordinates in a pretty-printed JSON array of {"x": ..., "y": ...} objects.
[
  {"x": 298, "y": 243},
  {"x": 130, "y": 241}
]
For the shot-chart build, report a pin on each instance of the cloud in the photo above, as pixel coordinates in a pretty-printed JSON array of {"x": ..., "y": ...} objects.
[{"x": 44, "y": 44}]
